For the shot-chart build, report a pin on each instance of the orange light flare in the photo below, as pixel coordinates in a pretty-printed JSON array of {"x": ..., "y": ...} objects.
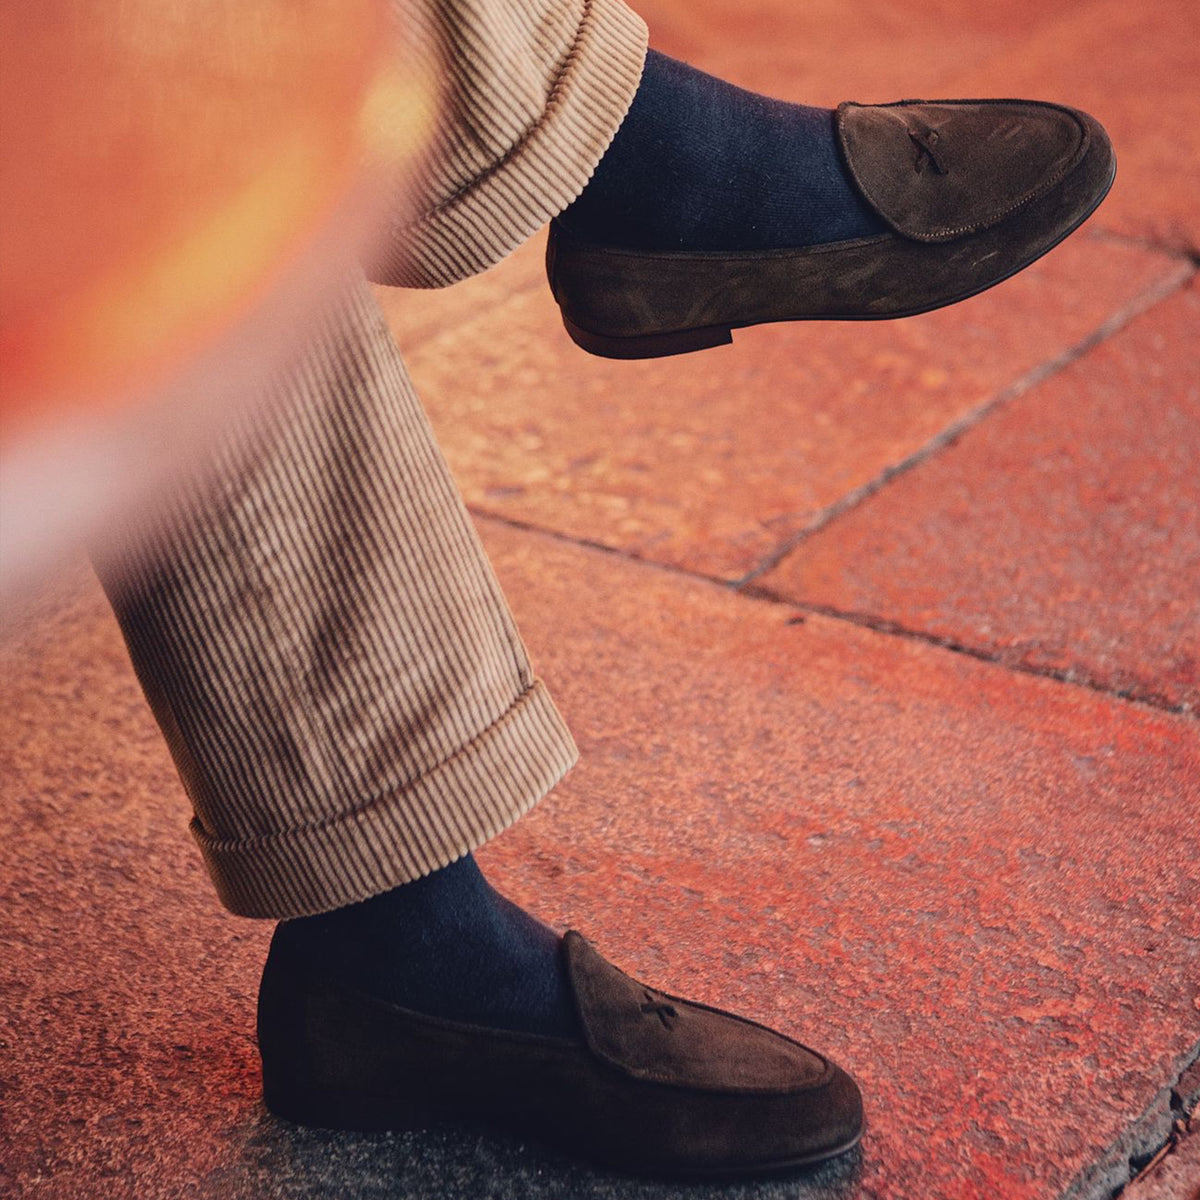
[
  {"x": 165, "y": 164},
  {"x": 181, "y": 182}
]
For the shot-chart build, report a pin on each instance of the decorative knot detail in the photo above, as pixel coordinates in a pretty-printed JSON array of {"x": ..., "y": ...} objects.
[
  {"x": 926, "y": 140},
  {"x": 668, "y": 1014}
]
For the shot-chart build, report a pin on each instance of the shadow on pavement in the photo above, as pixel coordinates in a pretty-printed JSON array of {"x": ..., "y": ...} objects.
[{"x": 268, "y": 1157}]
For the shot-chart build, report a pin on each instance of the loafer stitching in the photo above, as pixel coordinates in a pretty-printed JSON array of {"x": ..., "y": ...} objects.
[{"x": 993, "y": 219}]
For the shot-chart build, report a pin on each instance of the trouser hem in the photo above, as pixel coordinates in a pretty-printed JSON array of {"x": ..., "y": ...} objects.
[
  {"x": 452, "y": 810},
  {"x": 542, "y": 174}
]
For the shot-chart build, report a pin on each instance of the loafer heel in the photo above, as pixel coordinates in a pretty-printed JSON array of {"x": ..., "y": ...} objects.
[
  {"x": 323, "y": 1108},
  {"x": 656, "y": 345}
]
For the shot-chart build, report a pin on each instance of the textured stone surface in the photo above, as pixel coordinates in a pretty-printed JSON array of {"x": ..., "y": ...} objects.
[
  {"x": 975, "y": 888},
  {"x": 825, "y": 52},
  {"x": 1177, "y": 1177},
  {"x": 125, "y": 993},
  {"x": 416, "y": 315},
  {"x": 711, "y": 461},
  {"x": 1061, "y": 534},
  {"x": 957, "y": 879}
]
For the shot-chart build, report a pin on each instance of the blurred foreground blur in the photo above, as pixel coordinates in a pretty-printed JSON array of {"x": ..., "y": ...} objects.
[
  {"x": 179, "y": 183},
  {"x": 881, "y": 642}
]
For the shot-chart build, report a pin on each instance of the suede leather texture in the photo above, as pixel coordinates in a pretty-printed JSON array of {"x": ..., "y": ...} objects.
[
  {"x": 977, "y": 191},
  {"x": 700, "y": 1093},
  {"x": 935, "y": 172},
  {"x": 649, "y": 1035}
]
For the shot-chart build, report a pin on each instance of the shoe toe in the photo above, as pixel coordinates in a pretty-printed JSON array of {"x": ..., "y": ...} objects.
[
  {"x": 706, "y": 1090},
  {"x": 936, "y": 171},
  {"x": 843, "y": 1108}
]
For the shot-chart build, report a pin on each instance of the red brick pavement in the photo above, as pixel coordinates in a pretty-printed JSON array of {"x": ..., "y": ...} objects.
[
  {"x": 975, "y": 882},
  {"x": 1061, "y": 534}
]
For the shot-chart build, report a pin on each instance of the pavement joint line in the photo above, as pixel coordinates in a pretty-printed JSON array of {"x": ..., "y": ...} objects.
[
  {"x": 759, "y": 594},
  {"x": 570, "y": 539},
  {"x": 1138, "y": 1148},
  {"x": 1181, "y": 1129},
  {"x": 1069, "y": 676},
  {"x": 747, "y": 587},
  {"x": 1181, "y": 249},
  {"x": 956, "y": 430}
]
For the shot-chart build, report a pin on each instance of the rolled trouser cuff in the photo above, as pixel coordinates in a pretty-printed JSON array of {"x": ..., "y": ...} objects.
[
  {"x": 541, "y": 174},
  {"x": 462, "y": 803}
]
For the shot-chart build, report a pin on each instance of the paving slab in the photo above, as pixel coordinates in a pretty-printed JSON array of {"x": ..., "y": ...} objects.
[
  {"x": 713, "y": 461},
  {"x": 825, "y": 52},
  {"x": 1060, "y": 534},
  {"x": 1135, "y": 68},
  {"x": 1176, "y": 1177},
  {"x": 974, "y": 887},
  {"x": 417, "y": 314}
]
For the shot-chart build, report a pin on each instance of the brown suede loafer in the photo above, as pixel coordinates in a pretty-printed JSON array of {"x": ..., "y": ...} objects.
[
  {"x": 655, "y": 1084},
  {"x": 972, "y": 191}
]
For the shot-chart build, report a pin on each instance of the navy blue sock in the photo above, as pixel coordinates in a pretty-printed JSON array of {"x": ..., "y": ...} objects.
[
  {"x": 699, "y": 164},
  {"x": 448, "y": 945}
]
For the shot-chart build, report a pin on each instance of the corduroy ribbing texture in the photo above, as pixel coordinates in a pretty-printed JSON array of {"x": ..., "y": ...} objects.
[
  {"x": 311, "y": 615},
  {"x": 534, "y": 91},
  {"x": 325, "y": 646}
]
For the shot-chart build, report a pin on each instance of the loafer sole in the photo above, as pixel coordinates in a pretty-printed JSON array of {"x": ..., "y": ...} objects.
[{"x": 359, "y": 1113}]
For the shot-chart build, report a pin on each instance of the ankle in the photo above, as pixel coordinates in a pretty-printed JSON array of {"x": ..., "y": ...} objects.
[
  {"x": 447, "y": 945},
  {"x": 699, "y": 164}
]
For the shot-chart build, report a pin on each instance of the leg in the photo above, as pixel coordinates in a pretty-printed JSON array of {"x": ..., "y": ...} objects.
[
  {"x": 716, "y": 208},
  {"x": 316, "y": 626},
  {"x": 352, "y": 711},
  {"x": 350, "y": 708},
  {"x": 325, "y": 645}
]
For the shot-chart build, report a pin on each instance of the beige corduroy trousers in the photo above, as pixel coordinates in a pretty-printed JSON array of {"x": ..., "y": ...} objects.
[{"x": 315, "y": 625}]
